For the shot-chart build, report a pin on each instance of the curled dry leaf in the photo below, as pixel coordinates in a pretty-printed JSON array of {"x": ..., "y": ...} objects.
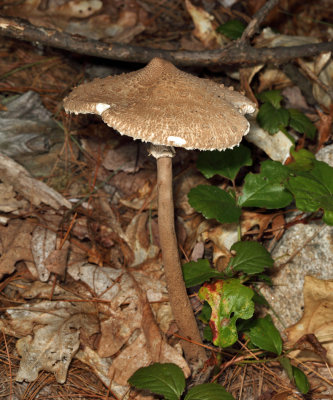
[
  {"x": 317, "y": 319},
  {"x": 125, "y": 158},
  {"x": 222, "y": 236},
  {"x": 273, "y": 77},
  {"x": 15, "y": 242},
  {"x": 35, "y": 191},
  {"x": 51, "y": 335},
  {"x": 129, "y": 330},
  {"x": 326, "y": 76},
  {"x": 8, "y": 202},
  {"x": 56, "y": 262},
  {"x": 138, "y": 239},
  {"x": 205, "y": 28},
  {"x": 43, "y": 242}
]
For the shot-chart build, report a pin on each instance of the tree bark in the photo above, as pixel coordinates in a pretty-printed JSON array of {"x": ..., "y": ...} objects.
[{"x": 179, "y": 301}]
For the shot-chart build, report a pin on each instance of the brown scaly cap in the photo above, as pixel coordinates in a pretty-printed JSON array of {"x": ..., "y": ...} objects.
[{"x": 165, "y": 106}]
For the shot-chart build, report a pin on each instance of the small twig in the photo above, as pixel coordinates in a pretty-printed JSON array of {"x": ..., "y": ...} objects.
[
  {"x": 237, "y": 53},
  {"x": 314, "y": 77},
  {"x": 258, "y": 18},
  {"x": 263, "y": 365}
]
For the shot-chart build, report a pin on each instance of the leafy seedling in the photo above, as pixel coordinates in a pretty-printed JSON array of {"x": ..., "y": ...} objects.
[
  {"x": 229, "y": 301},
  {"x": 198, "y": 272},
  {"x": 301, "y": 123},
  {"x": 164, "y": 379},
  {"x": 232, "y": 29},
  {"x": 225, "y": 163},
  {"x": 272, "y": 97},
  {"x": 272, "y": 117},
  {"x": 313, "y": 190},
  {"x": 303, "y": 160},
  {"x": 264, "y": 335},
  {"x": 301, "y": 381},
  {"x": 266, "y": 189},
  {"x": 251, "y": 258},
  {"x": 168, "y": 381},
  {"x": 214, "y": 202},
  {"x": 295, "y": 375}
]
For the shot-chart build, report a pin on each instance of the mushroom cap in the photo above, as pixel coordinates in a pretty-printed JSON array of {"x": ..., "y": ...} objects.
[{"x": 163, "y": 105}]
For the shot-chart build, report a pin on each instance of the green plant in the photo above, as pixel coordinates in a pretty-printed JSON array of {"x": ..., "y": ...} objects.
[
  {"x": 168, "y": 380},
  {"x": 273, "y": 117},
  {"x": 230, "y": 296},
  {"x": 232, "y": 29},
  {"x": 307, "y": 181}
]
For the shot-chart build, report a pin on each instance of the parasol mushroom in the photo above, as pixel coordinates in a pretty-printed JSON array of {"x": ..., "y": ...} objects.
[{"x": 167, "y": 107}]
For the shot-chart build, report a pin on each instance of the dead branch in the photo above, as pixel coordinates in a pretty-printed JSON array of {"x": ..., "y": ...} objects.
[
  {"x": 257, "y": 19},
  {"x": 237, "y": 53}
]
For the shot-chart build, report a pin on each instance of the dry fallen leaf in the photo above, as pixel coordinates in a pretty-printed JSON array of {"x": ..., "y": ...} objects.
[
  {"x": 129, "y": 330},
  {"x": 51, "y": 335},
  {"x": 317, "y": 319},
  {"x": 43, "y": 242},
  {"x": 56, "y": 262},
  {"x": 137, "y": 237},
  {"x": 205, "y": 27},
  {"x": 35, "y": 191},
  {"x": 8, "y": 202},
  {"x": 15, "y": 242}
]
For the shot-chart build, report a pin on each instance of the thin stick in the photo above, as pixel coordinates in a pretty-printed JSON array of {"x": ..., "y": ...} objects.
[
  {"x": 257, "y": 19},
  {"x": 236, "y": 54}
]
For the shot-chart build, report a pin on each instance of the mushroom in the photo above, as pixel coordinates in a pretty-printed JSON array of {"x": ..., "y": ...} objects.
[{"x": 167, "y": 107}]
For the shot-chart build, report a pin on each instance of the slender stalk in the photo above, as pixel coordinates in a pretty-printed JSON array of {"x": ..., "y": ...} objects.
[{"x": 179, "y": 301}]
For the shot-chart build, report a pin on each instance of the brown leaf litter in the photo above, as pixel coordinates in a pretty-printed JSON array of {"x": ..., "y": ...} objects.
[{"x": 317, "y": 320}]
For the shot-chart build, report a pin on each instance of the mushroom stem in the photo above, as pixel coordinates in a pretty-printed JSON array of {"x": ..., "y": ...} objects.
[{"x": 179, "y": 301}]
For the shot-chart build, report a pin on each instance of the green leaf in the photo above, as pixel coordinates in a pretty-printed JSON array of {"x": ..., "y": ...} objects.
[
  {"x": 250, "y": 258},
  {"x": 286, "y": 364},
  {"x": 328, "y": 217},
  {"x": 208, "y": 334},
  {"x": 313, "y": 190},
  {"x": 232, "y": 29},
  {"x": 265, "y": 278},
  {"x": 264, "y": 335},
  {"x": 206, "y": 313},
  {"x": 304, "y": 160},
  {"x": 229, "y": 301},
  {"x": 258, "y": 298},
  {"x": 208, "y": 391},
  {"x": 272, "y": 119},
  {"x": 301, "y": 123},
  {"x": 226, "y": 163},
  {"x": 214, "y": 202},
  {"x": 266, "y": 189},
  {"x": 164, "y": 379},
  {"x": 197, "y": 272},
  {"x": 301, "y": 381},
  {"x": 272, "y": 97}
]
